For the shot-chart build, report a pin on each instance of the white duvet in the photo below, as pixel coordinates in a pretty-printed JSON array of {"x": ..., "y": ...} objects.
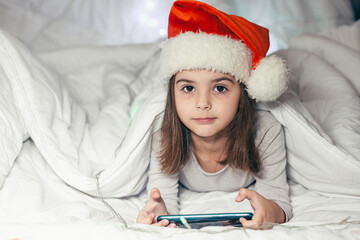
[{"x": 70, "y": 117}]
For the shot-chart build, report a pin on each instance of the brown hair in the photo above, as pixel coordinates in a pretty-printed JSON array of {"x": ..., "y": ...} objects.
[{"x": 175, "y": 137}]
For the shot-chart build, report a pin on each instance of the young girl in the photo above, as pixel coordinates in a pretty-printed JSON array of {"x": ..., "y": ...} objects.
[{"x": 212, "y": 137}]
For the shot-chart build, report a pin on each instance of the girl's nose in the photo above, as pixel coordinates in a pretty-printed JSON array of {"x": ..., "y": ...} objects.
[{"x": 203, "y": 101}]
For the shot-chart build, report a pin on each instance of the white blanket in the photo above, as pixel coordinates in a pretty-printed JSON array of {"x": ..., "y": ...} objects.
[
  {"x": 83, "y": 111},
  {"x": 75, "y": 144}
]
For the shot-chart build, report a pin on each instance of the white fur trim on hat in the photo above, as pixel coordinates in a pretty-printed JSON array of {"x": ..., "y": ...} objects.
[
  {"x": 205, "y": 51},
  {"x": 213, "y": 52},
  {"x": 269, "y": 80}
]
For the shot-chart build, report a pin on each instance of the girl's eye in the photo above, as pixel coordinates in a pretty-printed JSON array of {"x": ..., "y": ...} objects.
[
  {"x": 220, "y": 89},
  {"x": 188, "y": 89}
]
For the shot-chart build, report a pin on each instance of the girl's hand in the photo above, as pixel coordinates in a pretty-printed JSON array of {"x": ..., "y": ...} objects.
[
  {"x": 266, "y": 211},
  {"x": 152, "y": 209}
]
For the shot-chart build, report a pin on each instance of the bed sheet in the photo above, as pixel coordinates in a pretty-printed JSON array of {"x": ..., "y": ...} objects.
[
  {"x": 49, "y": 180},
  {"x": 63, "y": 212}
]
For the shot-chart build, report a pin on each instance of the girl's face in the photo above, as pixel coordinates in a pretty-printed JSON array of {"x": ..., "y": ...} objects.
[{"x": 206, "y": 101}]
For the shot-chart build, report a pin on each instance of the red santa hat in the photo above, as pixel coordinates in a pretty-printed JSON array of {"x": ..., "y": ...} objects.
[{"x": 202, "y": 37}]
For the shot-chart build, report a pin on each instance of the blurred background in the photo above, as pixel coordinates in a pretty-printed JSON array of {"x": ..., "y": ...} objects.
[{"x": 53, "y": 24}]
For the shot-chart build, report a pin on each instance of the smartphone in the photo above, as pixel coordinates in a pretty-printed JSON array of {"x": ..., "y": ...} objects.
[{"x": 210, "y": 219}]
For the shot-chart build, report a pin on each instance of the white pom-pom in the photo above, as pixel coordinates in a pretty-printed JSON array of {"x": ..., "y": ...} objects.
[{"x": 269, "y": 80}]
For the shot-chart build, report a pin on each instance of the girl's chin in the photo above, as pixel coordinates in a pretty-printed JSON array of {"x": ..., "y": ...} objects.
[{"x": 205, "y": 134}]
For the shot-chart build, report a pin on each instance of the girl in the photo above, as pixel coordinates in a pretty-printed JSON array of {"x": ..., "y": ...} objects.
[{"x": 212, "y": 137}]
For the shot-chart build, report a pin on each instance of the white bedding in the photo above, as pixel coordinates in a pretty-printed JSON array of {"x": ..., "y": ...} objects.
[{"x": 68, "y": 114}]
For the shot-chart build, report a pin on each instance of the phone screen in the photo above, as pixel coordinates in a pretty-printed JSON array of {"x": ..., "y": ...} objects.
[{"x": 212, "y": 219}]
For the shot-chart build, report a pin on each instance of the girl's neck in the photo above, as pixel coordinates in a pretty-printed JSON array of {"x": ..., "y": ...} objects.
[{"x": 209, "y": 152}]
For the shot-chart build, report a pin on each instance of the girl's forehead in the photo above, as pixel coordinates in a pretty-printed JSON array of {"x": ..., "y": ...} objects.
[{"x": 201, "y": 73}]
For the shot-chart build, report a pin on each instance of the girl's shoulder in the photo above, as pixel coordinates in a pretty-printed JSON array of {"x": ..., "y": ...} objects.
[
  {"x": 266, "y": 124},
  {"x": 156, "y": 141},
  {"x": 265, "y": 118}
]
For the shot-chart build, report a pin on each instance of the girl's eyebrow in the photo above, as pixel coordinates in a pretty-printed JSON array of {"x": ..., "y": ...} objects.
[
  {"x": 222, "y": 79},
  {"x": 214, "y": 80},
  {"x": 184, "y": 80}
]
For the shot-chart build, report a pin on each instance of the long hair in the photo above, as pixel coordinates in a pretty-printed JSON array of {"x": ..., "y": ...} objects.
[{"x": 175, "y": 136}]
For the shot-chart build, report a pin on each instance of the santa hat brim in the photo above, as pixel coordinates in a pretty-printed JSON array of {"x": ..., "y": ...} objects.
[{"x": 189, "y": 51}]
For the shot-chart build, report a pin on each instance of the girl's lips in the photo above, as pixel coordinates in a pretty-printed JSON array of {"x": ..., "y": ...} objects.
[{"x": 204, "y": 120}]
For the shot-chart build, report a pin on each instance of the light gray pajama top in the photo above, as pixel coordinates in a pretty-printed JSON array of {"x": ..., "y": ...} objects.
[{"x": 270, "y": 182}]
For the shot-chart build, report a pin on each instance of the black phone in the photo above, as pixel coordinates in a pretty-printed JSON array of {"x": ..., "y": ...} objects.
[{"x": 209, "y": 219}]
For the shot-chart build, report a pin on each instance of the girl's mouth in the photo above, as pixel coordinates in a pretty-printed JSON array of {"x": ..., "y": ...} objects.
[{"x": 204, "y": 120}]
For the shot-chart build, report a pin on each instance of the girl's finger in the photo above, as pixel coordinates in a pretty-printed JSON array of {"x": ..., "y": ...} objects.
[
  {"x": 145, "y": 218},
  {"x": 244, "y": 193},
  {"x": 155, "y": 193},
  {"x": 239, "y": 198},
  {"x": 162, "y": 223},
  {"x": 249, "y": 223},
  {"x": 172, "y": 225}
]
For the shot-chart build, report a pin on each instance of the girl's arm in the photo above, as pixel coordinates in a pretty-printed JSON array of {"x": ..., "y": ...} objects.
[
  {"x": 162, "y": 189},
  {"x": 168, "y": 185},
  {"x": 271, "y": 181},
  {"x": 270, "y": 198}
]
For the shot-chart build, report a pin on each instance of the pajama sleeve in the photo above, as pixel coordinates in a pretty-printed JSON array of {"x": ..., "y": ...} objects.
[
  {"x": 167, "y": 184},
  {"x": 271, "y": 181}
]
